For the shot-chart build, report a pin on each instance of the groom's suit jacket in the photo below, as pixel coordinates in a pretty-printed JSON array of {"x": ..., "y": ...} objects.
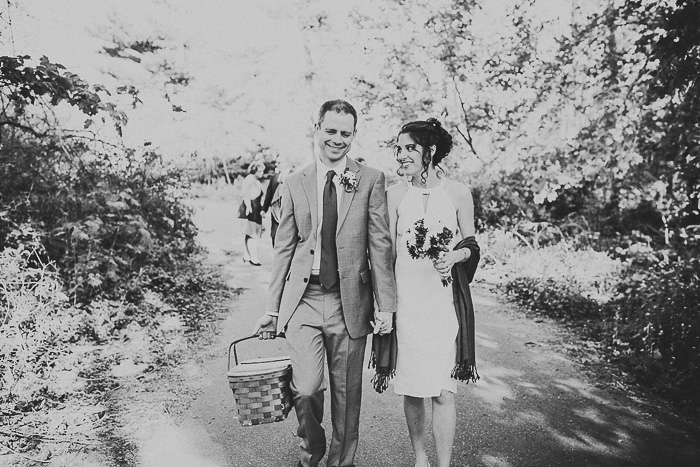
[{"x": 363, "y": 242}]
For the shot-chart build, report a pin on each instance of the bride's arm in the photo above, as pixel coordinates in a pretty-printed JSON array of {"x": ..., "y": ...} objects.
[
  {"x": 394, "y": 195},
  {"x": 465, "y": 210},
  {"x": 462, "y": 199}
]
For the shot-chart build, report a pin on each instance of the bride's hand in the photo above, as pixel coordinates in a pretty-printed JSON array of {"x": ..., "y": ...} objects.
[
  {"x": 446, "y": 261},
  {"x": 382, "y": 322}
]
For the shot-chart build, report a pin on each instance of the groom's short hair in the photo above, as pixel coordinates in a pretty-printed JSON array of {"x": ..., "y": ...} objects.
[{"x": 337, "y": 106}]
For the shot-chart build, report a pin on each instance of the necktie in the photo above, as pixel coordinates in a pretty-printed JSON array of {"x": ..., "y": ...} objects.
[{"x": 328, "y": 273}]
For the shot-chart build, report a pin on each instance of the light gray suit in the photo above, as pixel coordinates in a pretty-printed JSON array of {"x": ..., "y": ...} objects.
[{"x": 334, "y": 322}]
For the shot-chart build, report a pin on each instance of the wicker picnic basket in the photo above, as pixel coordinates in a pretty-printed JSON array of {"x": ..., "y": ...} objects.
[{"x": 260, "y": 387}]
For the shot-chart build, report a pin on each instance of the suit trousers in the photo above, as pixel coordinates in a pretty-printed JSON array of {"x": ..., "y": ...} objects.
[{"x": 316, "y": 330}]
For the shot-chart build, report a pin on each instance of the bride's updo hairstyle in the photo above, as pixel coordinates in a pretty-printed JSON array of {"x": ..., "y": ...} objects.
[{"x": 429, "y": 133}]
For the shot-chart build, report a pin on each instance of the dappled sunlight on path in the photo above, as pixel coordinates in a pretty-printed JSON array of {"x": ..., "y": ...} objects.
[
  {"x": 493, "y": 387},
  {"x": 541, "y": 410},
  {"x": 166, "y": 448}
]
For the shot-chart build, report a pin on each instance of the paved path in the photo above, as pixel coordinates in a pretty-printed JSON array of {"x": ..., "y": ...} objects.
[{"x": 532, "y": 406}]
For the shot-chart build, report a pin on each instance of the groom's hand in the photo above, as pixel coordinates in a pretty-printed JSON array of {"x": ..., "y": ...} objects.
[
  {"x": 266, "y": 327},
  {"x": 383, "y": 322}
]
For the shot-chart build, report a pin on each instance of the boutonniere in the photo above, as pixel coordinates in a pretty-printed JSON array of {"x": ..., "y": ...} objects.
[{"x": 349, "y": 180}]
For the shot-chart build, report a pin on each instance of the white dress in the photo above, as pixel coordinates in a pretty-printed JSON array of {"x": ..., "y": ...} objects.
[{"x": 426, "y": 322}]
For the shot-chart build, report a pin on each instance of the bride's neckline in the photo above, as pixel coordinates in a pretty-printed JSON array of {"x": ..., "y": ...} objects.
[{"x": 425, "y": 189}]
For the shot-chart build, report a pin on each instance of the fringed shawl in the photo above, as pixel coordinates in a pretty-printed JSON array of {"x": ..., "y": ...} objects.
[
  {"x": 462, "y": 275},
  {"x": 383, "y": 358},
  {"x": 384, "y": 348}
]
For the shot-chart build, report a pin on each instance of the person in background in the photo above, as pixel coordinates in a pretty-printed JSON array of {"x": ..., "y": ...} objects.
[
  {"x": 273, "y": 197},
  {"x": 250, "y": 212}
]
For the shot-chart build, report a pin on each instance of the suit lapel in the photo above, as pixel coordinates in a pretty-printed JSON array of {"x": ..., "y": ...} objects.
[
  {"x": 309, "y": 184},
  {"x": 347, "y": 197}
]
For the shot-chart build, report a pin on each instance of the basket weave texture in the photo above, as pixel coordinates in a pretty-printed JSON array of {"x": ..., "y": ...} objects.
[{"x": 261, "y": 390}]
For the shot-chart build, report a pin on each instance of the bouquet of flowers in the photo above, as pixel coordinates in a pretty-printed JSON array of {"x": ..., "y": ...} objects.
[{"x": 424, "y": 244}]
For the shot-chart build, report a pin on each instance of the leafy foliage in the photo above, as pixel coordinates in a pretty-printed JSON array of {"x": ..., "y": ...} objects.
[
  {"x": 640, "y": 308},
  {"x": 670, "y": 135},
  {"x": 22, "y": 86},
  {"x": 582, "y": 117},
  {"x": 97, "y": 249},
  {"x": 557, "y": 299},
  {"x": 30, "y": 299},
  {"x": 656, "y": 329},
  {"x": 101, "y": 216}
]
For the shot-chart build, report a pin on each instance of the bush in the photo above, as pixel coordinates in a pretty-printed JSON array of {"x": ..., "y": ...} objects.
[
  {"x": 515, "y": 257},
  {"x": 503, "y": 202},
  {"x": 98, "y": 282},
  {"x": 639, "y": 303},
  {"x": 33, "y": 328},
  {"x": 557, "y": 299},
  {"x": 102, "y": 211},
  {"x": 98, "y": 220},
  {"x": 657, "y": 327}
]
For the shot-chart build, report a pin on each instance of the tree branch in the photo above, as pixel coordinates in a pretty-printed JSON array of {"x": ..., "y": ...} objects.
[
  {"x": 468, "y": 136},
  {"x": 11, "y": 432},
  {"x": 94, "y": 139},
  {"x": 24, "y": 455},
  {"x": 23, "y": 127}
]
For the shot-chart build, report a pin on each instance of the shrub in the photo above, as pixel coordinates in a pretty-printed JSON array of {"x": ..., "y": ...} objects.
[
  {"x": 503, "y": 202},
  {"x": 101, "y": 218},
  {"x": 550, "y": 297},
  {"x": 639, "y": 303},
  {"x": 657, "y": 326},
  {"x": 572, "y": 268},
  {"x": 102, "y": 211},
  {"x": 32, "y": 327},
  {"x": 102, "y": 223}
]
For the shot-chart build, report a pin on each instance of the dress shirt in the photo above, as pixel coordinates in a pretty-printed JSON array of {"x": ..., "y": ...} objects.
[{"x": 321, "y": 171}]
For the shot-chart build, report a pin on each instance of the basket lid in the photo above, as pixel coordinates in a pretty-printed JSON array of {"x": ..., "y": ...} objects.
[{"x": 259, "y": 366}]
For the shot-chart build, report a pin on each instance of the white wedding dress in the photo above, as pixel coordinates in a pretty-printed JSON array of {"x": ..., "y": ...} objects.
[{"x": 426, "y": 322}]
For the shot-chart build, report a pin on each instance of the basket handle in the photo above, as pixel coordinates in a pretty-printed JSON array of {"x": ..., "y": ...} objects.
[{"x": 233, "y": 346}]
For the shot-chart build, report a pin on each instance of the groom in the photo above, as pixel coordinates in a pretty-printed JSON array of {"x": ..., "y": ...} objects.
[{"x": 334, "y": 221}]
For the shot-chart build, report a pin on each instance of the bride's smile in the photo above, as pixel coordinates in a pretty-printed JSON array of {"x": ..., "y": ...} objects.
[{"x": 408, "y": 154}]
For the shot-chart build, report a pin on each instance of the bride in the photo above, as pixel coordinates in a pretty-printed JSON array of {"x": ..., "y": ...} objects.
[{"x": 434, "y": 320}]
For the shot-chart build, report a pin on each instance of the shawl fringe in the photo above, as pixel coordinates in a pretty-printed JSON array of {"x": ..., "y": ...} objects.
[
  {"x": 380, "y": 380},
  {"x": 465, "y": 372},
  {"x": 383, "y": 358},
  {"x": 382, "y": 375}
]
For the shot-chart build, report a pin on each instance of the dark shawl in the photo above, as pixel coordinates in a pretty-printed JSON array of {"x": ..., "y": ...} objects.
[
  {"x": 384, "y": 348},
  {"x": 383, "y": 358},
  {"x": 462, "y": 275}
]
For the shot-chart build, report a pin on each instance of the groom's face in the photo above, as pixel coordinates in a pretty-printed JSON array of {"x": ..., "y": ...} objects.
[{"x": 335, "y": 134}]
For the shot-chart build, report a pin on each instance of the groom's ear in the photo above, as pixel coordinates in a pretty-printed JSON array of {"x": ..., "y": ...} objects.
[{"x": 433, "y": 150}]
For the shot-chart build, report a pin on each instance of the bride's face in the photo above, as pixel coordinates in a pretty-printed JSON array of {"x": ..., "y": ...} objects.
[{"x": 408, "y": 154}]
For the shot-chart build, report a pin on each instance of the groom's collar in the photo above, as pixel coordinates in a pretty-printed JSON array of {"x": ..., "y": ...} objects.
[
  {"x": 312, "y": 168},
  {"x": 323, "y": 169}
]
